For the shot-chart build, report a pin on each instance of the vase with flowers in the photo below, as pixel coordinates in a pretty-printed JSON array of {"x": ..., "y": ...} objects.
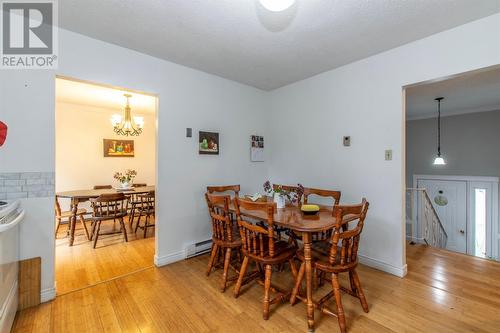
[
  {"x": 126, "y": 178},
  {"x": 281, "y": 196}
]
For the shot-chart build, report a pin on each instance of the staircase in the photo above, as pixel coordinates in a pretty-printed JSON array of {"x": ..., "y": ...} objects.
[{"x": 423, "y": 223}]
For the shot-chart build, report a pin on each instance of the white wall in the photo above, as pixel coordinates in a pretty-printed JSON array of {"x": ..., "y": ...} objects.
[
  {"x": 187, "y": 98},
  {"x": 80, "y": 163},
  {"x": 364, "y": 100}
]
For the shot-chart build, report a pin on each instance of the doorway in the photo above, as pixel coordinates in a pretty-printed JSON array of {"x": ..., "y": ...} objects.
[
  {"x": 91, "y": 154},
  {"x": 467, "y": 207},
  {"x": 451, "y": 171}
]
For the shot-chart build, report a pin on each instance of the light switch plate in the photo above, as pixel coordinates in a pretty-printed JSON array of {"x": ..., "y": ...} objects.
[
  {"x": 189, "y": 132},
  {"x": 388, "y": 155},
  {"x": 347, "y": 141}
]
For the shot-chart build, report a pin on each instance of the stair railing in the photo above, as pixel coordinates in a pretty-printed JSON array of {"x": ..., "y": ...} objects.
[{"x": 426, "y": 218}]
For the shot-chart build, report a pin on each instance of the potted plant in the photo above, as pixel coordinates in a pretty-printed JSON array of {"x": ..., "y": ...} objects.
[
  {"x": 280, "y": 196},
  {"x": 125, "y": 179}
]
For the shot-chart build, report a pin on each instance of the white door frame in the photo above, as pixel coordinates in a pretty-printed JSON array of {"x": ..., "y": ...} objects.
[{"x": 492, "y": 229}]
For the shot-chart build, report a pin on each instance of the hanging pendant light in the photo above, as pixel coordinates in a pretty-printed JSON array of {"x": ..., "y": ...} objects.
[
  {"x": 129, "y": 125},
  {"x": 277, "y": 5},
  {"x": 439, "y": 160}
]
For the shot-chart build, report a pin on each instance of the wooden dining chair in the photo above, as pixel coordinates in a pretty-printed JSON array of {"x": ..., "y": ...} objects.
[
  {"x": 235, "y": 189},
  {"x": 225, "y": 236},
  {"x": 335, "y": 195},
  {"x": 146, "y": 208},
  {"x": 106, "y": 207},
  {"x": 60, "y": 215},
  {"x": 341, "y": 257},
  {"x": 260, "y": 246},
  {"x": 103, "y": 187},
  {"x": 289, "y": 188},
  {"x": 133, "y": 202}
]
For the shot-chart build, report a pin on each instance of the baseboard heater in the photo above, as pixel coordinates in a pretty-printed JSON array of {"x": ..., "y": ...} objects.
[{"x": 199, "y": 248}]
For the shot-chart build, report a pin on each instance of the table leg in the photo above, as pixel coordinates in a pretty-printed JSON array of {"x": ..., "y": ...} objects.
[
  {"x": 72, "y": 221},
  {"x": 306, "y": 238}
]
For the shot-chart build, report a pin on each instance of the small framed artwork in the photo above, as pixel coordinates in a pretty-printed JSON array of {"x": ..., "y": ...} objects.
[
  {"x": 208, "y": 143},
  {"x": 257, "y": 148},
  {"x": 118, "y": 148}
]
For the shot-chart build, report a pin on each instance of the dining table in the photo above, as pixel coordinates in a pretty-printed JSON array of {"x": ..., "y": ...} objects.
[
  {"x": 79, "y": 196},
  {"x": 292, "y": 218}
]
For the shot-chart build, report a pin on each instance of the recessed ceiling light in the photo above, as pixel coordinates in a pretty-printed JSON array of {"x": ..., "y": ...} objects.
[{"x": 276, "y": 5}]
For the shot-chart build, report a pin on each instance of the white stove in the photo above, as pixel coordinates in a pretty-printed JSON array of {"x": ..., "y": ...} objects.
[{"x": 11, "y": 214}]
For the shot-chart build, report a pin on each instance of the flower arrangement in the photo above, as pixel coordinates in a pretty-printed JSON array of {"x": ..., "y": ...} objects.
[
  {"x": 125, "y": 178},
  {"x": 292, "y": 196}
]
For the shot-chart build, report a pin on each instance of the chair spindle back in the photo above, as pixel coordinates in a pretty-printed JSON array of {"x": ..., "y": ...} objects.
[
  {"x": 218, "y": 208},
  {"x": 345, "y": 241},
  {"x": 257, "y": 241},
  {"x": 111, "y": 205}
]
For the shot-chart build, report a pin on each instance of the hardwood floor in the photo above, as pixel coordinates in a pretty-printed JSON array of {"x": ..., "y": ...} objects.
[
  {"x": 443, "y": 292},
  {"x": 81, "y": 265}
]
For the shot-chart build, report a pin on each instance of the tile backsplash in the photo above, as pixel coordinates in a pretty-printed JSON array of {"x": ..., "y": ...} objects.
[{"x": 15, "y": 185}]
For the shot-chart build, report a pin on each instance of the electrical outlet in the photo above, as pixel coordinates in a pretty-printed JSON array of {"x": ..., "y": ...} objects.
[
  {"x": 347, "y": 141},
  {"x": 388, "y": 155}
]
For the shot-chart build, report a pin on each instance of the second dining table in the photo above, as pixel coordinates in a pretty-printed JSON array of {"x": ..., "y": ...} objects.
[
  {"x": 293, "y": 219},
  {"x": 85, "y": 195}
]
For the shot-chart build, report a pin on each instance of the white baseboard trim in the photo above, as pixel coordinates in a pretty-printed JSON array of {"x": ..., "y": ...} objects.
[
  {"x": 47, "y": 295},
  {"x": 380, "y": 265},
  {"x": 8, "y": 309},
  {"x": 169, "y": 258}
]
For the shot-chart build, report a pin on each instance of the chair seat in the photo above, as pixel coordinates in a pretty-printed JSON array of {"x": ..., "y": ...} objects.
[
  {"x": 283, "y": 251},
  {"x": 320, "y": 258},
  {"x": 70, "y": 213}
]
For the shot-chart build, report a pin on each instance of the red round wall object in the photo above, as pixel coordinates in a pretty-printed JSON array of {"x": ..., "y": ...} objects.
[{"x": 3, "y": 133}]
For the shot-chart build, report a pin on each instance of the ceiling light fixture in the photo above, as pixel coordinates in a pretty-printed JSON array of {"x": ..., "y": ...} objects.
[
  {"x": 277, "y": 5},
  {"x": 128, "y": 125},
  {"x": 439, "y": 160}
]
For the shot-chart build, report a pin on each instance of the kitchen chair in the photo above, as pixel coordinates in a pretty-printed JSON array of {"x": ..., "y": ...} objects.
[
  {"x": 146, "y": 208},
  {"x": 134, "y": 201},
  {"x": 289, "y": 188},
  {"x": 235, "y": 189},
  {"x": 224, "y": 188},
  {"x": 106, "y": 207},
  {"x": 335, "y": 195},
  {"x": 260, "y": 246},
  {"x": 340, "y": 257},
  {"x": 60, "y": 215},
  {"x": 225, "y": 236}
]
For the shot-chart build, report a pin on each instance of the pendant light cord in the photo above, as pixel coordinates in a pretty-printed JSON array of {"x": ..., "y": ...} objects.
[{"x": 439, "y": 125}]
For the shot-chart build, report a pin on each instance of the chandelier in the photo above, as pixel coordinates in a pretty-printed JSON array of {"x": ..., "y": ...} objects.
[{"x": 128, "y": 125}]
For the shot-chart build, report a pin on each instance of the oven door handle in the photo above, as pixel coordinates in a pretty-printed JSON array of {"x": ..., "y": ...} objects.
[{"x": 13, "y": 223}]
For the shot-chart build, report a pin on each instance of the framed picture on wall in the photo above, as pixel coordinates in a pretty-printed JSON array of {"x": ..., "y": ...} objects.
[
  {"x": 257, "y": 148},
  {"x": 208, "y": 143},
  {"x": 118, "y": 148}
]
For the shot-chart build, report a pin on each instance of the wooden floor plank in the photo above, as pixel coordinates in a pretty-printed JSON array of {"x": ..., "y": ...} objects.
[{"x": 443, "y": 292}]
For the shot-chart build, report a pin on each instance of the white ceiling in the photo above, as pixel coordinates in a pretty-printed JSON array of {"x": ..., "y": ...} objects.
[
  {"x": 81, "y": 93},
  {"x": 475, "y": 92},
  {"x": 241, "y": 41}
]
